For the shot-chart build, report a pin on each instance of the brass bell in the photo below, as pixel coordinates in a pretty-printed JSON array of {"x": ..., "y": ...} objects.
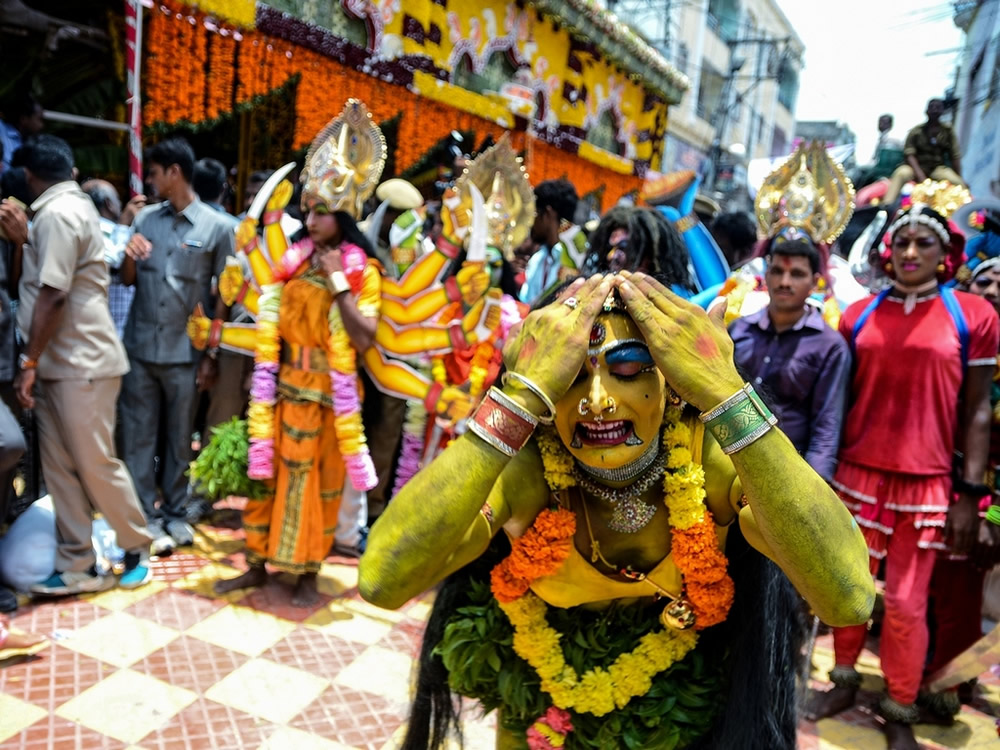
[{"x": 678, "y": 615}]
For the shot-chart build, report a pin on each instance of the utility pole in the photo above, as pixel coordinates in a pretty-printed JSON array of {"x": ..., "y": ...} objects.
[
  {"x": 651, "y": 19},
  {"x": 724, "y": 106}
]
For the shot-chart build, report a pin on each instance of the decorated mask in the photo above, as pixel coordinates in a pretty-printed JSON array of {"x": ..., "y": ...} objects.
[{"x": 612, "y": 413}]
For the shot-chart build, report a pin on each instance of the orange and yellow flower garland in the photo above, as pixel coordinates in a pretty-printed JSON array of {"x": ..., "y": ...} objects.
[
  {"x": 246, "y": 64},
  {"x": 547, "y": 544}
]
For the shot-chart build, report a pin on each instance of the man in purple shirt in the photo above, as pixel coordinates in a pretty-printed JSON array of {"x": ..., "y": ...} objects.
[{"x": 801, "y": 362}]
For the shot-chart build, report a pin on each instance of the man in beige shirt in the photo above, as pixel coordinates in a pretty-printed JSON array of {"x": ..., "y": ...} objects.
[{"x": 70, "y": 374}]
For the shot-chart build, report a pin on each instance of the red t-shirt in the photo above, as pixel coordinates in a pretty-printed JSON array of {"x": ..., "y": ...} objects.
[{"x": 903, "y": 413}]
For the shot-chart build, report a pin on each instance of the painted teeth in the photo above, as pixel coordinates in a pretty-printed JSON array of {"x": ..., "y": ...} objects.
[{"x": 603, "y": 426}]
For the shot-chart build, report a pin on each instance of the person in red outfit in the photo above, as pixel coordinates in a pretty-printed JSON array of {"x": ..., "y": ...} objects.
[
  {"x": 924, "y": 360},
  {"x": 957, "y": 584}
]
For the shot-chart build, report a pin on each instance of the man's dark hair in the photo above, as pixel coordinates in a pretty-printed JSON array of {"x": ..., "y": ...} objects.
[
  {"x": 173, "y": 151},
  {"x": 260, "y": 175},
  {"x": 738, "y": 227},
  {"x": 48, "y": 158},
  {"x": 14, "y": 185},
  {"x": 209, "y": 179},
  {"x": 560, "y": 194},
  {"x": 797, "y": 249},
  {"x": 887, "y": 117}
]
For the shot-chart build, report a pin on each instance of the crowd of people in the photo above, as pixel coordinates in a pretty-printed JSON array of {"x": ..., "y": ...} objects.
[{"x": 457, "y": 369}]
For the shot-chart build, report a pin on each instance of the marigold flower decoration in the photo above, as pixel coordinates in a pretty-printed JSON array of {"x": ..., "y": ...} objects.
[{"x": 547, "y": 544}]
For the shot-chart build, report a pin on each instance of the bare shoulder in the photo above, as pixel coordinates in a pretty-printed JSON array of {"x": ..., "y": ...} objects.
[
  {"x": 719, "y": 477},
  {"x": 521, "y": 490}
]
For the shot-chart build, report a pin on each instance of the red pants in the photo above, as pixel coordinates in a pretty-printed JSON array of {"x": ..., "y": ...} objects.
[
  {"x": 903, "y": 647},
  {"x": 957, "y": 591}
]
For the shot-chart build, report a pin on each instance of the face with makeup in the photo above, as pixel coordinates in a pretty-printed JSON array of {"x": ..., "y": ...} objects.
[
  {"x": 916, "y": 253},
  {"x": 614, "y": 409}
]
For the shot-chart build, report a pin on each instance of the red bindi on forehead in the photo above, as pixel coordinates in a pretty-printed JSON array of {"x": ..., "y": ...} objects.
[{"x": 786, "y": 262}]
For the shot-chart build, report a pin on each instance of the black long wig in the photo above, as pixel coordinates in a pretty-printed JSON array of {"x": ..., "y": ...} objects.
[
  {"x": 652, "y": 245},
  {"x": 763, "y": 636}
]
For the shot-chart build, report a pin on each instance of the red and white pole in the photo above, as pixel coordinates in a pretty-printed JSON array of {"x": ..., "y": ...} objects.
[{"x": 133, "y": 65}]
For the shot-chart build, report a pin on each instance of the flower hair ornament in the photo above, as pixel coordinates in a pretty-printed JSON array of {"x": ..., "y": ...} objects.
[
  {"x": 980, "y": 221},
  {"x": 931, "y": 204}
]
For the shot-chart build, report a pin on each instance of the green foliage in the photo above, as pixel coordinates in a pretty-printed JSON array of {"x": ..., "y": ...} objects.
[
  {"x": 477, "y": 649},
  {"x": 221, "y": 468}
]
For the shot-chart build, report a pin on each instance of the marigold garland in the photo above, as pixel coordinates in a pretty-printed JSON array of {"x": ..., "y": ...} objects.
[
  {"x": 344, "y": 383},
  {"x": 343, "y": 375},
  {"x": 547, "y": 544},
  {"x": 264, "y": 384},
  {"x": 598, "y": 691},
  {"x": 250, "y": 64}
]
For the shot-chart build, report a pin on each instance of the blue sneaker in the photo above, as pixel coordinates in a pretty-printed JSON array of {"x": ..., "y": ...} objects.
[
  {"x": 137, "y": 572},
  {"x": 70, "y": 582}
]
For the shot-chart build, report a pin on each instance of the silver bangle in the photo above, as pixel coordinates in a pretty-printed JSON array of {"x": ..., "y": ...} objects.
[{"x": 531, "y": 386}]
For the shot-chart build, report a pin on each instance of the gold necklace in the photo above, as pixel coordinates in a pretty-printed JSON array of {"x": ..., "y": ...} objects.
[{"x": 677, "y": 614}]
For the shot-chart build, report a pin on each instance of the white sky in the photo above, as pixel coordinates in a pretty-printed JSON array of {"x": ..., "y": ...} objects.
[{"x": 868, "y": 57}]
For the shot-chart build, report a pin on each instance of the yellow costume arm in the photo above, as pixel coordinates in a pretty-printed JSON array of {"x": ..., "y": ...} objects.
[
  {"x": 424, "y": 272},
  {"x": 414, "y": 545},
  {"x": 412, "y": 340},
  {"x": 236, "y": 337},
  {"x": 793, "y": 517},
  {"x": 415, "y": 310},
  {"x": 395, "y": 378},
  {"x": 479, "y": 324},
  {"x": 248, "y": 245},
  {"x": 274, "y": 235}
]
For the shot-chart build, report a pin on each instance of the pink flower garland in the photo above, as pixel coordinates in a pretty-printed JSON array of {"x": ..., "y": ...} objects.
[
  {"x": 344, "y": 383},
  {"x": 412, "y": 449}
]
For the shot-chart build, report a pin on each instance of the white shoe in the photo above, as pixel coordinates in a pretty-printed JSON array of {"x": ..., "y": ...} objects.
[
  {"x": 181, "y": 532},
  {"x": 162, "y": 544}
]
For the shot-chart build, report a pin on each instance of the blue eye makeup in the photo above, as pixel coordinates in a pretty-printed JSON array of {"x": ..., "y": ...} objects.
[{"x": 629, "y": 354}]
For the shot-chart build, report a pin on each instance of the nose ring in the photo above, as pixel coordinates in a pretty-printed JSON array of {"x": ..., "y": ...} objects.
[
  {"x": 583, "y": 407},
  {"x": 612, "y": 406}
]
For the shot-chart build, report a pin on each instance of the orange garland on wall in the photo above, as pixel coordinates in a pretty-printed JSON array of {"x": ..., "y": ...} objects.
[{"x": 194, "y": 74}]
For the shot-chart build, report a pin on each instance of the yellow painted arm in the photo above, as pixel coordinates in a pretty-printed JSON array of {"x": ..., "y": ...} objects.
[
  {"x": 415, "y": 544},
  {"x": 795, "y": 519}
]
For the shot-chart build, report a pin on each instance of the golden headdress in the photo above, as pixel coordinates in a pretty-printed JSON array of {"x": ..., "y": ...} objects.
[
  {"x": 345, "y": 161},
  {"x": 810, "y": 192},
  {"x": 499, "y": 174},
  {"x": 941, "y": 196}
]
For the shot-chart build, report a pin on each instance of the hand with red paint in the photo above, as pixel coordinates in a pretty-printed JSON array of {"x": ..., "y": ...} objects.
[
  {"x": 551, "y": 344},
  {"x": 691, "y": 348}
]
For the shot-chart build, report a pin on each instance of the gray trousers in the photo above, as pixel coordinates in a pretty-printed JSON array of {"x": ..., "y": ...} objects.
[
  {"x": 148, "y": 391},
  {"x": 228, "y": 398},
  {"x": 76, "y": 422}
]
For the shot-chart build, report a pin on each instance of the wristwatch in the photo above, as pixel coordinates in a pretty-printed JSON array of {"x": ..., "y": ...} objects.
[
  {"x": 25, "y": 362},
  {"x": 338, "y": 283}
]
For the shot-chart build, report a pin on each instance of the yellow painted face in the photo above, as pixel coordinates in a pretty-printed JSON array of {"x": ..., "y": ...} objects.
[{"x": 614, "y": 409}]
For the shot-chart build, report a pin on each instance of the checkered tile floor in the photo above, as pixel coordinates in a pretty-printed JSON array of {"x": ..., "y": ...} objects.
[{"x": 172, "y": 666}]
